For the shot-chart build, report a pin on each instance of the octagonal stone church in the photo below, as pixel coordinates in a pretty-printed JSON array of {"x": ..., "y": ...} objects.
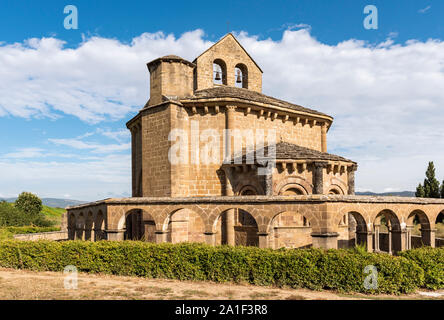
[{"x": 283, "y": 190}]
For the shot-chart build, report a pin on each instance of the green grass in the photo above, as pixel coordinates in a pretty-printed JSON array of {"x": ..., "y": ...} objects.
[{"x": 53, "y": 214}]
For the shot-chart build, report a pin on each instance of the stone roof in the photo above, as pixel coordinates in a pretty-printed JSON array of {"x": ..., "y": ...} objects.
[
  {"x": 248, "y": 95},
  {"x": 285, "y": 150},
  {"x": 170, "y": 57}
]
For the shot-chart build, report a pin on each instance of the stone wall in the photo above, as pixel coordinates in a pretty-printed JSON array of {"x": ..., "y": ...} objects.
[
  {"x": 230, "y": 51},
  {"x": 53, "y": 235}
]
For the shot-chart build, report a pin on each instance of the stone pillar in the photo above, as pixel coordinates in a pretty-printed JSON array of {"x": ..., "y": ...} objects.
[
  {"x": 263, "y": 239},
  {"x": 324, "y": 137},
  {"x": 230, "y": 125},
  {"x": 210, "y": 238},
  {"x": 428, "y": 237},
  {"x": 268, "y": 182},
  {"x": 408, "y": 236},
  {"x": 231, "y": 237},
  {"x": 327, "y": 240},
  {"x": 351, "y": 178},
  {"x": 377, "y": 249},
  {"x": 369, "y": 241},
  {"x": 115, "y": 235},
  {"x": 318, "y": 177},
  {"x": 399, "y": 240},
  {"x": 389, "y": 238},
  {"x": 161, "y": 236}
]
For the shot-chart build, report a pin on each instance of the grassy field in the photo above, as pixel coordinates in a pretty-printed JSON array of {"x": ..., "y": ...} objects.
[
  {"x": 52, "y": 214},
  {"x": 26, "y": 284}
]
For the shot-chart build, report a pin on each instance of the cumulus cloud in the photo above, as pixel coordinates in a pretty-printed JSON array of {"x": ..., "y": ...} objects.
[{"x": 386, "y": 97}]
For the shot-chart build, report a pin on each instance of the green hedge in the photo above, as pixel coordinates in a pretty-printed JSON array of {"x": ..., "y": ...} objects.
[
  {"x": 432, "y": 261},
  {"x": 30, "y": 229},
  {"x": 318, "y": 269}
]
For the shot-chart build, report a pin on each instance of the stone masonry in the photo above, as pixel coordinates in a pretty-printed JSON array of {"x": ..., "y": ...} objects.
[{"x": 201, "y": 174}]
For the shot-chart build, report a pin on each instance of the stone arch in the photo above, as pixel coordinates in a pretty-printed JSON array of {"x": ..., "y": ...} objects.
[
  {"x": 185, "y": 225},
  {"x": 290, "y": 229},
  {"x": 387, "y": 232},
  {"x": 248, "y": 190},
  {"x": 99, "y": 226},
  {"x": 298, "y": 184},
  {"x": 241, "y": 73},
  {"x": 357, "y": 230},
  {"x": 335, "y": 189},
  {"x": 219, "y": 72},
  {"x": 237, "y": 223},
  {"x": 130, "y": 224},
  {"x": 418, "y": 218}
]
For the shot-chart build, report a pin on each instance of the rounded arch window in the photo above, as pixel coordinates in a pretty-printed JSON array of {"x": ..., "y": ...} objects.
[
  {"x": 241, "y": 76},
  {"x": 292, "y": 191},
  {"x": 219, "y": 72}
]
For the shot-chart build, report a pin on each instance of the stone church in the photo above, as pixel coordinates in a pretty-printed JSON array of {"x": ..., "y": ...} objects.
[{"x": 215, "y": 160}]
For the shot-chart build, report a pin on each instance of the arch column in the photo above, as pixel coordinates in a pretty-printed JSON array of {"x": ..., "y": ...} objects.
[
  {"x": 428, "y": 237},
  {"x": 263, "y": 239},
  {"x": 318, "y": 177},
  {"x": 210, "y": 238},
  {"x": 161, "y": 236},
  {"x": 377, "y": 247}
]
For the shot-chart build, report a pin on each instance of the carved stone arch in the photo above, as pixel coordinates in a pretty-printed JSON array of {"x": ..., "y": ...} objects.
[
  {"x": 294, "y": 182},
  {"x": 170, "y": 210},
  {"x": 253, "y": 189},
  {"x": 289, "y": 229},
  {"x": 335, "y": 189},
  {"x": 185, "y": 225},
  {"x": 337, "y": 185}
]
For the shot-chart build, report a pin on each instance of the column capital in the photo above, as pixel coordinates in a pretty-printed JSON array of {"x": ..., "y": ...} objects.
[
  {"x": 230, "y": 108},
  {"x": 320, "y": 164}
]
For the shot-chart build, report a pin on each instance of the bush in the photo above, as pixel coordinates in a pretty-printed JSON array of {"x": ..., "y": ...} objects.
[
  {"x": 304, "y": 268},
  {"x": 30, "y": 229},
  {"x": 432, "y": 261},
  {"x": 12, "y": 216}
]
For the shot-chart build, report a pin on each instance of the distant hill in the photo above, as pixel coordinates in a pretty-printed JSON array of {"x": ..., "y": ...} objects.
[
  {"x": 54, "y": 202},
  {"x": 393, "y": 194}
]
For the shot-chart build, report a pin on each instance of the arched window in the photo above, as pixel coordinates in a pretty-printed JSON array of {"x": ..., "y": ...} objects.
[
  {"x": 219, "y": 72},
  {"x": 241, "y": 76}
]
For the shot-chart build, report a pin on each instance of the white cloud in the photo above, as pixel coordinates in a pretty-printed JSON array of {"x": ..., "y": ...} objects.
[
  {"x": 386, "y": 98},
  {"x": 94, "y": 147},
  {"x": 424, "y": 10}
]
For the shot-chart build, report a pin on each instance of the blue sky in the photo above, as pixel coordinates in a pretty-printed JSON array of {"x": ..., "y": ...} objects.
[{"x": 67, "y": 94}]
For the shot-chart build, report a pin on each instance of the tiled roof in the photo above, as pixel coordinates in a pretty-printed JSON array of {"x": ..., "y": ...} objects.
[
  {"x": 249, "y": 95},
  {"x": 285, "y": 150}
]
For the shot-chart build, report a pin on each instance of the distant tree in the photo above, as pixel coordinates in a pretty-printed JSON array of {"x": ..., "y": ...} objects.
[
  {"x": 29, "y": 203},
  {"x": 430, "y": 188},
  {"x": 431, "y": 184},
  {"x": 420, "y": 193}
]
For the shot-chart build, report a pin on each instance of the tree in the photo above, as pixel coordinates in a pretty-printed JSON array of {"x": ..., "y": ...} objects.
[
  {"x": 430, "y": 188},
  {"x": 431, "y": 184},
  {"x": 29, "y": 203},
  {"x": 420, "y": 193}
]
